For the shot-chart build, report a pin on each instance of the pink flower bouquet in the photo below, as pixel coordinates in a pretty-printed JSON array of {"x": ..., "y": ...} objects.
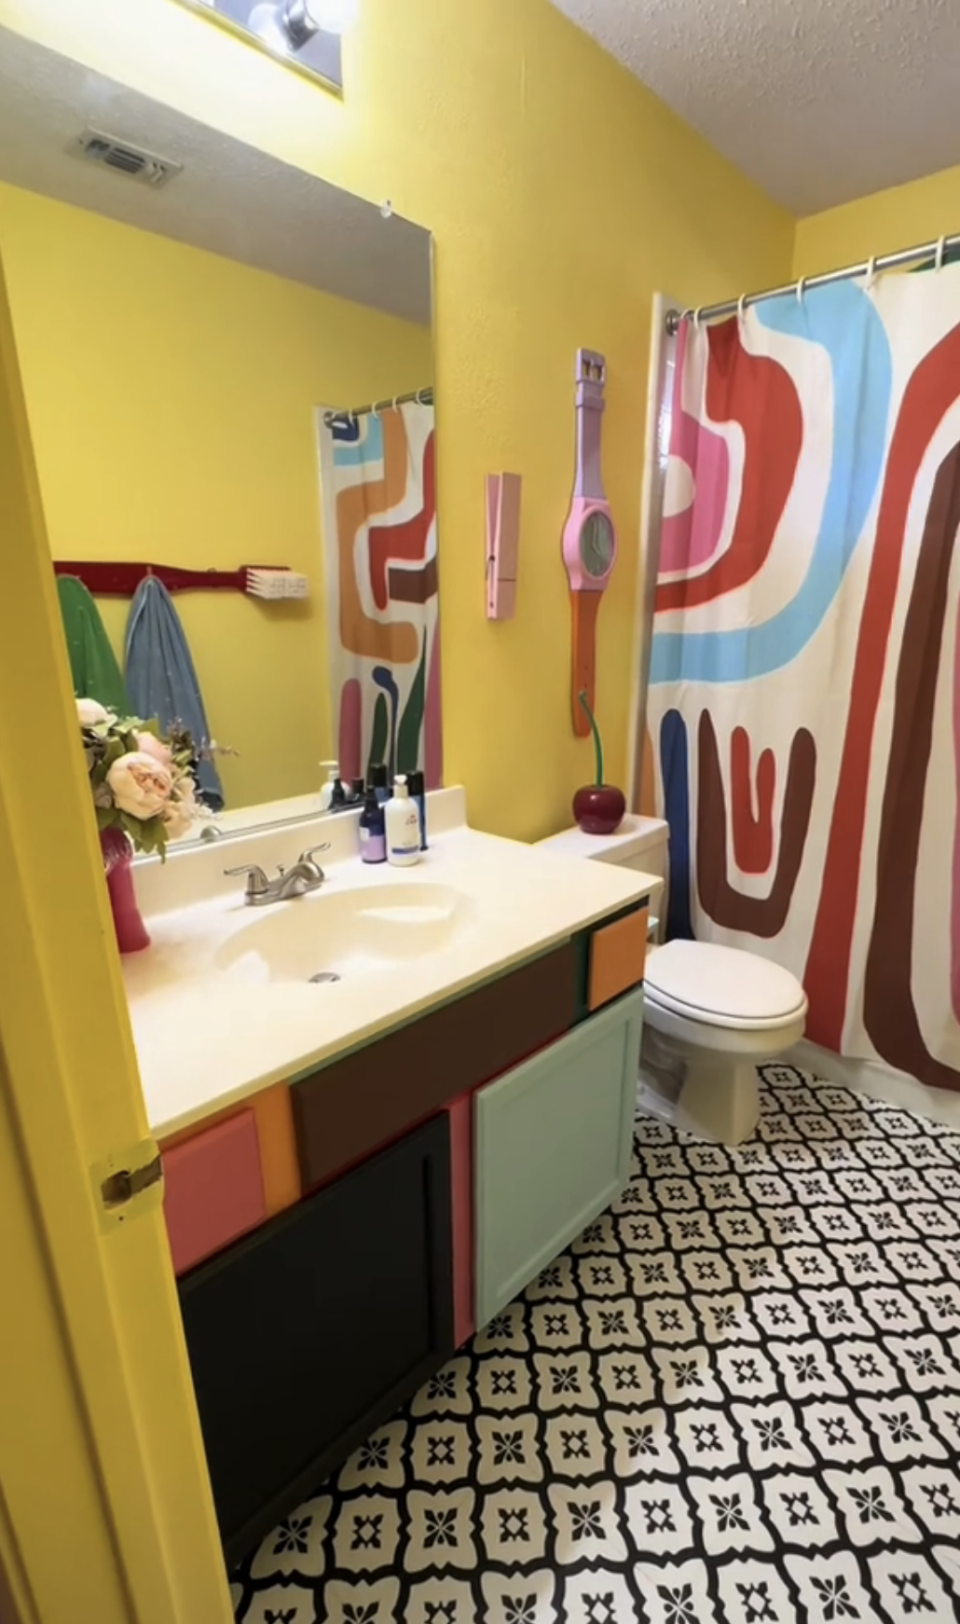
[{"x": 143, "y": 785}]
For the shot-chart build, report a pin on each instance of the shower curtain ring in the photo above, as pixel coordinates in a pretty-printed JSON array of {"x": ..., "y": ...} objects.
[
  {"x": 800, "y": 287},
  {"x": 871, "y": 270},
  {"x": 696, "y": 318},
  {"x": 941, "y": 249},
  {"x": 741, "y": 307}
]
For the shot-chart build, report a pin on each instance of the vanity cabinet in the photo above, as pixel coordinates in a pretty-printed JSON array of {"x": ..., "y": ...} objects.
[
  {"x": 311, "y": 1332},
  {"x": 552, "y": 1146},
  {"x": 404, "y": 1193},
  {"x": 352, "y": 1106}
]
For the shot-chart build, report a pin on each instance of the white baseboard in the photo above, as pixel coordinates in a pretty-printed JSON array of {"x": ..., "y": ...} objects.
[{"x": 879, "y": 1081}]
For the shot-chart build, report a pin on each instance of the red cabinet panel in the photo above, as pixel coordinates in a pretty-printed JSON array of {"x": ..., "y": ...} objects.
[{"x": 213, "y": 1189}]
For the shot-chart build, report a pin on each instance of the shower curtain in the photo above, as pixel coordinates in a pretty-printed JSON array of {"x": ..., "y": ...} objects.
[
  {"x": 804, "y": 700},
  {"x": 378, "y": 497}
]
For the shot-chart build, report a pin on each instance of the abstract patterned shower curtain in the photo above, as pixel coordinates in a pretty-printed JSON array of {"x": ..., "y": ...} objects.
[
  {"x": 804, "y": 701},
  {"x": 378, "y": 495}
]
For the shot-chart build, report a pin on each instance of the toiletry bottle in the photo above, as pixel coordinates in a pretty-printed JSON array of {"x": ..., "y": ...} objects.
[
  {"x": 333, "y": 777},
  {"x": 356, "y": 792},
  {"x": 338, "y": 795},
  {"x": 379, "y": 781},
  {"x": 415, "y": 785},
  {"x": 373, "y": 845},
  {"x": 402, "y": 826}
]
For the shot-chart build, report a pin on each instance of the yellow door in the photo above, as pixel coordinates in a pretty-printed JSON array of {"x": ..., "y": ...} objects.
[{"x": 105, "y": 1507}]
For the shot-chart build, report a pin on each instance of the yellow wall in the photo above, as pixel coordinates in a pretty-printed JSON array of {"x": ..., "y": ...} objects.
[
  {"x": 171, "y": 395},
  {"x": 561, "y": 194},
  {"x": 900, "y": 217}
]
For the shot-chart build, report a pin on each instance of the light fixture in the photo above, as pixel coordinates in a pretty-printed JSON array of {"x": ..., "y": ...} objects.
[
  {"x": 304, "y": 34},
  {"x": 289, "y": 25}
]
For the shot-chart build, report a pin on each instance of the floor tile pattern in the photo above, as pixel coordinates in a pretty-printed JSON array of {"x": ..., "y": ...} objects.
[{"x": 736, "y": 1398}]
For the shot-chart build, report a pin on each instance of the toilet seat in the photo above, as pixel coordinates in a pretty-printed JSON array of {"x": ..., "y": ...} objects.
[{"x": 723, "y": 986}]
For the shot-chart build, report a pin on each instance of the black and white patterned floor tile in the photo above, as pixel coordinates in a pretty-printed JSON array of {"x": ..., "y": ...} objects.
[{"x": 735, "y": 1399}]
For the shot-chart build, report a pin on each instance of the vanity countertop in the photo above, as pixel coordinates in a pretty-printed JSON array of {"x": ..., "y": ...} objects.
[{"x": 206, "y": 1037}]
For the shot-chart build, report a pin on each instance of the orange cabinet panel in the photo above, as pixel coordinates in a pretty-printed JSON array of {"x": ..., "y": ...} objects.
[
  {"x": 213, "y": 1189},
  {"x": 278, "y": 1148},
  {"x": 617, "y": 956}
]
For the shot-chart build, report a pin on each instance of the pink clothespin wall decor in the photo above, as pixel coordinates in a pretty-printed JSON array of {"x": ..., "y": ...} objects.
[{"x": 502, "y": 544}]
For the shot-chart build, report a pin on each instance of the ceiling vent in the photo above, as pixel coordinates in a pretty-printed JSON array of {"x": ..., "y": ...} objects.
[{"x": 135, "y": 162}]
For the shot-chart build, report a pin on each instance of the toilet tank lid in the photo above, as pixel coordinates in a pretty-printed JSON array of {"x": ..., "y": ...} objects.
[
  {"x": 635, "y": 834},
  {"x": 723, "y": 981}
]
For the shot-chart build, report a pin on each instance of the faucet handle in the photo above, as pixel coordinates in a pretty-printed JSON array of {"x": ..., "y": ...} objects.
[
  {"x": 257, "y": 881},
  {"x": 308, "y": 855}
]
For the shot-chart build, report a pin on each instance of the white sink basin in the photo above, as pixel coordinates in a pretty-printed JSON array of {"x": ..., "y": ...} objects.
[{"x": 336, "y": 934}]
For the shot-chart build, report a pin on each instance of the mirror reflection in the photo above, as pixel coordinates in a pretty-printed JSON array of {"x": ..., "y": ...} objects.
[{"x": 229, "y": 381}]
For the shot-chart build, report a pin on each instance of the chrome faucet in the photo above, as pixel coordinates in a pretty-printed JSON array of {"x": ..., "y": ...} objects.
[{"x": 304, "y": 876}]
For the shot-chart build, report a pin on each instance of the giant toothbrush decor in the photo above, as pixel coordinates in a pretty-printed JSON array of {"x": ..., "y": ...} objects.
[{"x": 598, "y": 808}]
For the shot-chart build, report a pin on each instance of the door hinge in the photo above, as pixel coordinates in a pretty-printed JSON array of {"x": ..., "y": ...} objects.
[{"x": 129, "y": 1183}]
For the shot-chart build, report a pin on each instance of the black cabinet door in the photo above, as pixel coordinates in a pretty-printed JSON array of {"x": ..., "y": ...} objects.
[{"x": 312, "y": 1331}]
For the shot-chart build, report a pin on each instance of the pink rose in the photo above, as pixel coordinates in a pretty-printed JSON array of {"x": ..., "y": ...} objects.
[
  {"x": 181, "y": 811},
  {"x": 90, "y": 712},
  {"x": 140, "y": 784},
  {"x": 149, "y": 745}
]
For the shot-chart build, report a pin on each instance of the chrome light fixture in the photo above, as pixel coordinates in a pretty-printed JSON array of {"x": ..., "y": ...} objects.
[{"x": 305, "y": 34}]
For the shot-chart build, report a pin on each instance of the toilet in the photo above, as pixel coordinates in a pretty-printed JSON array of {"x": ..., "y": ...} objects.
[{"x": 712, "y": 1014}]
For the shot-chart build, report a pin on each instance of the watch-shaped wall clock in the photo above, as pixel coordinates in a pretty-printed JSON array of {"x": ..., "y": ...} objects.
[{"x": 589, "y": 535}]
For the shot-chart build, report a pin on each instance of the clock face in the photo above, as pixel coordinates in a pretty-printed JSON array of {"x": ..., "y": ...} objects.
[{"x": 597, "y": 545}]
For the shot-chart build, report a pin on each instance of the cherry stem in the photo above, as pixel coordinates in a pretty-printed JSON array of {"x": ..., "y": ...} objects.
[{"x": 598, "y": 747}]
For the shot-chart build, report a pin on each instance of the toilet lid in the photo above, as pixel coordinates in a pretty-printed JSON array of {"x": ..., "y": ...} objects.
[{"x": 721, "y": 984}]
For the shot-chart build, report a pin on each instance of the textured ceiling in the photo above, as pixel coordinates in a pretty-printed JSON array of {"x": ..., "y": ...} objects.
[
  {"x": 231, "y": 199},
  {"x": 819, "y": 101}
]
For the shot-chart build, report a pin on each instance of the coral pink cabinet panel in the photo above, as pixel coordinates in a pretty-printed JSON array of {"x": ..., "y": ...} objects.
[
  {"x": 213, "y": 1189},
  {"x": 460, "y": 1115}
]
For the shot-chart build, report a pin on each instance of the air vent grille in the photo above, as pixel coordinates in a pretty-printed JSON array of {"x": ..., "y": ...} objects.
[{"x": 147, "y": 168}]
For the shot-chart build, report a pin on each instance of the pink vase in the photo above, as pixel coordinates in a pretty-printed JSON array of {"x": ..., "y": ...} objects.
[{"x": 132, "y": 933}]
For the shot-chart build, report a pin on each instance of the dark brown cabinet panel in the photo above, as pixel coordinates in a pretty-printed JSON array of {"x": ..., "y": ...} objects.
[
  {"x": 347, "y": 1109},
  {"x": 312, "y": 1331}
]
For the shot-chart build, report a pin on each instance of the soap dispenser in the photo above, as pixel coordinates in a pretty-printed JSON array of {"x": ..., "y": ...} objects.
[
  {"x": 402, "y": 826},
  {"x": 333, "y": 779}
]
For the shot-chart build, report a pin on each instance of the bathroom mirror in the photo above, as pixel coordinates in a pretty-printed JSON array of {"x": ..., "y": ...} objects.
[{"x": 228, "y": 362}]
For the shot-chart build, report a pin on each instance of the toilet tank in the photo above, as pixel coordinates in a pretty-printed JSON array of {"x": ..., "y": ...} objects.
[{"x": 639, "y": 843}]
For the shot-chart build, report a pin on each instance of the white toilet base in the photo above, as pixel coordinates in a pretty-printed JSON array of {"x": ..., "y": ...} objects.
[
  {"x": 719, "y": 1096},
  {"x": 719, "y": 1099}
]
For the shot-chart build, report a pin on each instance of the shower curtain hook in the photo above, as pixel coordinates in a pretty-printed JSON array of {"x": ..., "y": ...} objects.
[
  {"x": 941, "y": 249},
  {"x": 871, "y": 270},
  {"x": 696, "y": 318},
  {"x": 800, "y": 287},
  {"x": 741, "y": 307}
]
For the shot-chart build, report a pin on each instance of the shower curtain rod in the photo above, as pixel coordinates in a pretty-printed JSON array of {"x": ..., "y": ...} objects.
[
  {"x": 424, "y": 397},
  {"x": 883, "y": 262}
]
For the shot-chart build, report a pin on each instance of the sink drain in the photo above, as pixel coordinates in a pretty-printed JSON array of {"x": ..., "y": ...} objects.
[{"x": 324, "y": 975}]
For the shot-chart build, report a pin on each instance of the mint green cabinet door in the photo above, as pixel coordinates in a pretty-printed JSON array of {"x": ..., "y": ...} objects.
[{"x": 552, "y": 1143}]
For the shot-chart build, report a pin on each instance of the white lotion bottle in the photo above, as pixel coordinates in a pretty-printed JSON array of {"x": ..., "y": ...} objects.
[{"x": 402, "y": 826}]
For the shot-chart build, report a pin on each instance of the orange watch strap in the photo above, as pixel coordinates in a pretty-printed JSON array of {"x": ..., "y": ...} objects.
[{"x": 584, "y": 607}]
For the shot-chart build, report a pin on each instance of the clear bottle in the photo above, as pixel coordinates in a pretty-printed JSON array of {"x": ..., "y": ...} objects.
[
  {"x": 402, "y": 826},
  {"x": 415, "y": 784}
]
